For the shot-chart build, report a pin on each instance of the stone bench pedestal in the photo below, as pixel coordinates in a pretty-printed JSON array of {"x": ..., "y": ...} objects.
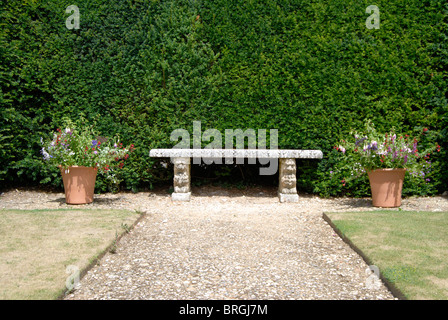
[
  {"x": 182, "y": 179},
  {"x": 287, "y": 179}
]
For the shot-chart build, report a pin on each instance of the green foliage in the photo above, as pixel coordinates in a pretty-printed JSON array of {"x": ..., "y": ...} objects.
[
  {"x": 78, "y": 144},
  {"x": 141, "y": 69},
  {"x": 371, "y": 150}
]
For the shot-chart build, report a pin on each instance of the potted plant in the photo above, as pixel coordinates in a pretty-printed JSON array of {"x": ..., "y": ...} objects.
[
  {"x": 385, "y": 158},
  {"x": 80, "y": 154}
]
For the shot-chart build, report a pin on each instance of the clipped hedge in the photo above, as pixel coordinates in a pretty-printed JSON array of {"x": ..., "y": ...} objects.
[{"x": 310, "y": 69}]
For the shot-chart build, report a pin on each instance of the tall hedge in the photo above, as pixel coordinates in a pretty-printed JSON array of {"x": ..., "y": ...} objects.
[{"x": 311, "y": 69}]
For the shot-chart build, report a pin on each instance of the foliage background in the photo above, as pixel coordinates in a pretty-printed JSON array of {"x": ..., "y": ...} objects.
[{"x": 139, "y": 68}]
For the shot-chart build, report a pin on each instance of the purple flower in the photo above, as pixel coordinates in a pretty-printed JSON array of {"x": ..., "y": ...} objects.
[
  {"x": 94, "y": 143},
  {"x": 373, "y": 146},
  {"x": 358, "y": 142}
]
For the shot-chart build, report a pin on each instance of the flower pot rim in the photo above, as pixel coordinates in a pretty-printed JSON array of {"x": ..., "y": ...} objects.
[
  {"x": 60, "y": 166},
  {"x": 387, "y": 169}
]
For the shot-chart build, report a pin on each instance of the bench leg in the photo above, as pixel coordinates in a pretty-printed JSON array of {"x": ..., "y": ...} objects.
[
  {"x": 181, "y": 179},
  {"x": 287, "y": 191}
]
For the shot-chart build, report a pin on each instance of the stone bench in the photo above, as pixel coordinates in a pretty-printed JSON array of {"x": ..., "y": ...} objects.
[{"x": 287, "y": 191}]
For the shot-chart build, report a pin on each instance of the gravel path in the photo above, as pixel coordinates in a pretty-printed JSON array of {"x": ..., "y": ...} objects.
[{"x": 226, "y": 244}]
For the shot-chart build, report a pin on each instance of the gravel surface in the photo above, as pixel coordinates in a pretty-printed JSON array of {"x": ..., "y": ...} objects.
[{"x": 226, "y": 244}]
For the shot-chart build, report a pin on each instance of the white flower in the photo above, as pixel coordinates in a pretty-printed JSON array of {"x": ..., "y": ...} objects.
[{"x": 45, "y": 154}]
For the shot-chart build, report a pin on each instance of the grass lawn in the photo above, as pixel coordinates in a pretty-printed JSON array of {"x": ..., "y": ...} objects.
[
  {"x": 409, "y": 248},
  {"x": 36, "y": 247}
]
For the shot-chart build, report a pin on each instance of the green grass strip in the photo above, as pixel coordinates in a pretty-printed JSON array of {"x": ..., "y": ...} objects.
[{"x": 409, "y": 248}]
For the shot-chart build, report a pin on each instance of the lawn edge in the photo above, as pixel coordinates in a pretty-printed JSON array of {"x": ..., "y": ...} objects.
[
  {"x": 397, "y": 293},
  {"x": 95, "y": 260}
]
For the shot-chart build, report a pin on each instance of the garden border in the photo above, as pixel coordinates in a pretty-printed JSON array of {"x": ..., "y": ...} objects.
[
  {"x": 97, "y": 259},
  {"x": 389, "y": 285}
]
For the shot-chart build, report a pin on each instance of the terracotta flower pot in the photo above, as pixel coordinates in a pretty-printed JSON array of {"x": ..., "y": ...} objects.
[
  {"x": 79, "y": 184},
  {"x": 386, "y": 186}
]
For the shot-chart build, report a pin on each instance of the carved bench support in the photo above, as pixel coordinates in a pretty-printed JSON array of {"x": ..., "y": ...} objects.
[
  {"x": 181, "y": 179},
  {"x": 287, "y": 191}
]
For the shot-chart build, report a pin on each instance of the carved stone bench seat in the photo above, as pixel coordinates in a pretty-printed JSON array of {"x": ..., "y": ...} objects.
[{"x": 181, "y": 158}]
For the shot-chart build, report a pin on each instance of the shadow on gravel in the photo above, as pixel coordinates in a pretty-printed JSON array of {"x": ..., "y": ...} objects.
[
  {"x": 99, "y": 201},
  {"x": 351, "y": 203},
  {"x": 61, "y": 201},
  {"x": 258, "y": 192}
]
